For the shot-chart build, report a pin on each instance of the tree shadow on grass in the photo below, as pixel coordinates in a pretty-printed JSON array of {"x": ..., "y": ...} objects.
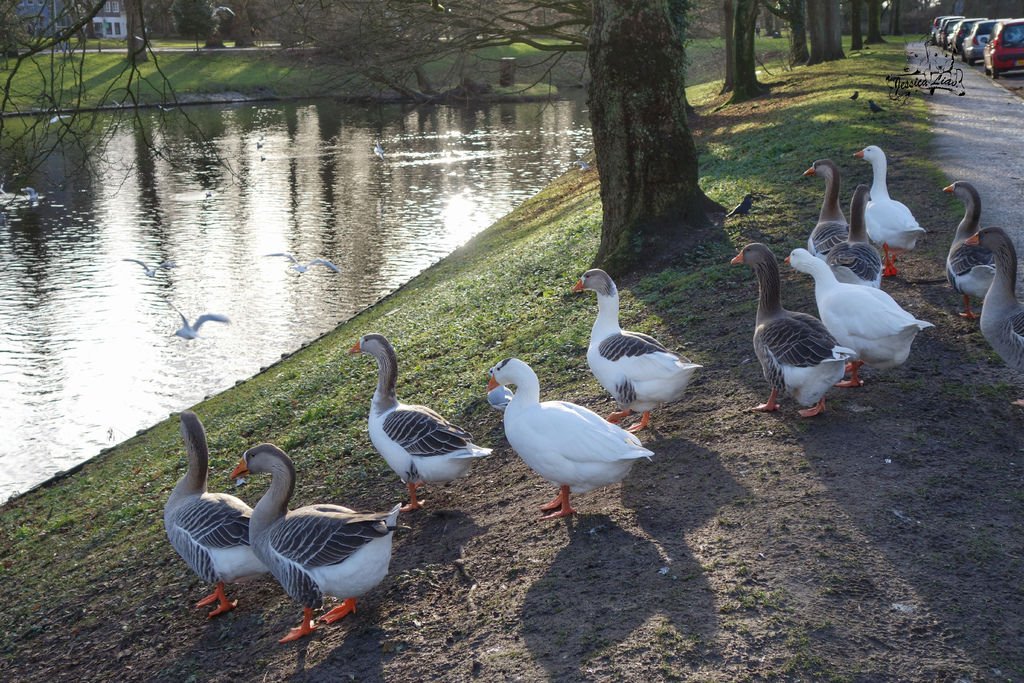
[{"x": 581, "y": 619}]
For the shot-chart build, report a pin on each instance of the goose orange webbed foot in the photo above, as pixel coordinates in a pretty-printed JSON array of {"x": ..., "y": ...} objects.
[
  {"x": 818, "y": 409},
  {"x": 642, "y": 424},
  {"x": 770, "y": 406},
  {"x": 217, "y": 596},
  {"x": 854, "y": 380},
  {"x": 303, "y": 629},
  {"x": 967, "y": 312},
  {"x": 560, "y": 504},
  {"x": 414, "y": 503},
  {"x": 616, "y": 417},
  {"x": 347, "y": 607}
]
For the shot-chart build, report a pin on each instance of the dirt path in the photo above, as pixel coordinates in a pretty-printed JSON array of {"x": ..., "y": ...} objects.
[{"x": 978, "y": 139}]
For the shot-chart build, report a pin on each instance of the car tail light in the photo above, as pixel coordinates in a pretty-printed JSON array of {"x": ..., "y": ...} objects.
[{"x": 974, "y": 40}]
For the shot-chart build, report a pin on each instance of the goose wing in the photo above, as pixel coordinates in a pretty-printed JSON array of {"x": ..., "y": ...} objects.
[
  {"x": 862, "y": 259},
  {"x": 579, "y": 434},
  {"x": 965, "y": 257},
  {"x": 827, "y": 236},
  {"x": 799, "y": 340},
  {"x": 421, "y": 431},
  {"x": 319, "y": 536},
  {"x": 212, "y": 521},
  {"x": 629, "y": 344}
]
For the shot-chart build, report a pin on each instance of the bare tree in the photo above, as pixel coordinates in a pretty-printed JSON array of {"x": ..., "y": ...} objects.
[
  {"x": 856, "y": 39},
  {"x": 793, "y": 12},
  {"x": 874, "y": 22},
  {"x": 652, "y": 203},
  {"x": 745, "y": 83}
]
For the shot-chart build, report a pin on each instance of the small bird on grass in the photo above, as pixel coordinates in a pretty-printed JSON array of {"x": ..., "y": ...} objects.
[
  {"x": 874, "y": 107},
  {"x": 855, "y": 95},
  {"x": 743, "y": 208}
]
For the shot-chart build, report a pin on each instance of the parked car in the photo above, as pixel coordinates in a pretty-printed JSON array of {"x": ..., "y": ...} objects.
[
  {"x": 936, "y": 22},
  {"x": 960, "y": 31},
  {"x": 1005, "y": 49},
  {"x": 974, "y": 44},
  {"x": 944, "y": 25}
]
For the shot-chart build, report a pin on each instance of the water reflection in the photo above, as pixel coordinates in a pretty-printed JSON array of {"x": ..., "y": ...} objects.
[{"x": 87, "y": 347}]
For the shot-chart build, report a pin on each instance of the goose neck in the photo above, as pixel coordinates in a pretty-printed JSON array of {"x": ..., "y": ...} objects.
[
  {"x": 384, "y": 397},
  {"x": 274, "y": 503},
  {"x": 607, "y": 314},
  {"x": 1002, "y": 291},
  {"x": 972, "y": 215},
  {"x": 830, "y": 209},
  {"x": 879, "y": 190},
  {"x": 769, "y": 296},
  {"x": 196, "y": 475},
  {"x": 858, "y": 228}
]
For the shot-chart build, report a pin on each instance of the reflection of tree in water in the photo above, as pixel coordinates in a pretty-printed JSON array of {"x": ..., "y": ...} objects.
[{"x": 613, "y": 595}]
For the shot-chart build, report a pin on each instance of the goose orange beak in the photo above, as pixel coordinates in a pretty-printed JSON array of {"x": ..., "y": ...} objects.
[
  {"x": 356, "y": 348},
  {"x": 786, "y": 260},
  {"x": 809, "y": 171},
  {"x": 738, "y": 258},
  {"x": 947, "y": 188},
  {"x": 973, "y": 240},
  {"x": 578, "y": 287},
  {"x": 241, "y": 470},
  {"x": 859, "y": 155},
  {"x": 492, "y": 384}
]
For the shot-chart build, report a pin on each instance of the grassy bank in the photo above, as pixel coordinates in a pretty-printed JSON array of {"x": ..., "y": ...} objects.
[{"x": 874, "y": 543}]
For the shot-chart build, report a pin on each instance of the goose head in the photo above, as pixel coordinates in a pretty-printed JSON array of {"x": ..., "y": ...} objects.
[
  {"x": 802, "y": 260},
  {"x": 993, "y": 239},
  {"x": 964, "y": 191},
  {"x": 596, "y": 280},
  {"x": 265, "y": 458},
  {"x": 753, "y": 254},
  {"x": 509, "y": 371},
  {"x": 376, "y": 345},
  {"x": 872, "y": 154},
  {"x": 826, "y": 168}
]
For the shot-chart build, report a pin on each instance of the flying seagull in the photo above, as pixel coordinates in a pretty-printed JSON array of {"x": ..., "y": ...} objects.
[
  {"x": 584, "y": 166},
  {"x": 743, "y": 208},
  {"x": 874, "y": 107},
  {"x": 299, "y": 267},
  {"x": 151, "y": 272},
  {"x": 188, "y": 331},
  {"x": 33, "y": 196},
  {"x": 378, "y": 149}
]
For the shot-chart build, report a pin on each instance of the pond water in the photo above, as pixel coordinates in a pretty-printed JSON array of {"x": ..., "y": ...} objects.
[{"x": 88, "y": 353}]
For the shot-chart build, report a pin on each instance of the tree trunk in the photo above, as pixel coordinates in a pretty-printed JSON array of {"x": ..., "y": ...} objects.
[
  {"x": 833, "y": 48},
  {"x": 894, "y": 18},
  {"x": 874, "y": 22},
  {"x": 728, "y": 20},
  {"x": 856, "y": 41},
  {"x": 652, "y": 204},
  {"x": 745, "y": 85},
  {"x": 798, "y": 33},
  {"x": 816, "y": 31},
  {"x": 136, "y": 28}
]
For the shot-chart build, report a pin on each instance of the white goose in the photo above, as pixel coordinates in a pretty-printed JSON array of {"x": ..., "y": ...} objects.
[
  {"x": 865, "y": 319},
  {"x": 634, "y": 368},
  {"x": 209, "y": 530},
  {"x": 569, "y": 445},
  {"x": 417, "y": 443},
  {"x": 798, "y": 355},
  {"x": 855, "y": 261},
  {"x": 1002, "y": 316},
  {"x": 889, "y": 222},
  {"x": 315, "y": 550},
  {"x": 832, "y": 227},
  {"x": 970, "y": 269}
]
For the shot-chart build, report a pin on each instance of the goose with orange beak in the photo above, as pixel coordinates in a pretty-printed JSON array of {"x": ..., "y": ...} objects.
[
  {"x": 315, "y": 550},
  {"x": 970, "y": 268},
  {"x": 798, "y": 355},
  {"x": 889, "y": 222},
  {"x": 417, "y": 443},
  {"x": 831, "y": 228},
  {"x": 572, "y": 447},
  {"x": 636, "y": 369}
]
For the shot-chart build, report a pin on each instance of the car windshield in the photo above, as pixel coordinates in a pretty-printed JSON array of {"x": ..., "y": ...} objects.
[{"x": 1013, "y": 35}]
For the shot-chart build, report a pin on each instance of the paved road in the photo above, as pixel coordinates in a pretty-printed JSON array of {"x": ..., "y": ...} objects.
[{"x": 980, "y": 138}]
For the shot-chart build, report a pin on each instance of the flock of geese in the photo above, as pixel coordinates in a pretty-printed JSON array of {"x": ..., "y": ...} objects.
[{"x": 328, "y": 550}]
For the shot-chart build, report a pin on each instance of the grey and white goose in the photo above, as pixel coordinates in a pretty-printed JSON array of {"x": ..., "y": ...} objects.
[
  {"x": 969, "y": 268},
  {"x": 798, "y": 355},
  {"x": 315, "y": 550},
  {"x": 209, "y": 530},
  {"x": 832, "y": 227},
  {"x": 417, "y": 443},
  {"x": 855, "y": 260},
  {"x": 636, "y": 369},
  {"x": 1002, "y": 316}
]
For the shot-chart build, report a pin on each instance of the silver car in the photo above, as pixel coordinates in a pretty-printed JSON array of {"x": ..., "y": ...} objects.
[{"x": 973, "y": 49}]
